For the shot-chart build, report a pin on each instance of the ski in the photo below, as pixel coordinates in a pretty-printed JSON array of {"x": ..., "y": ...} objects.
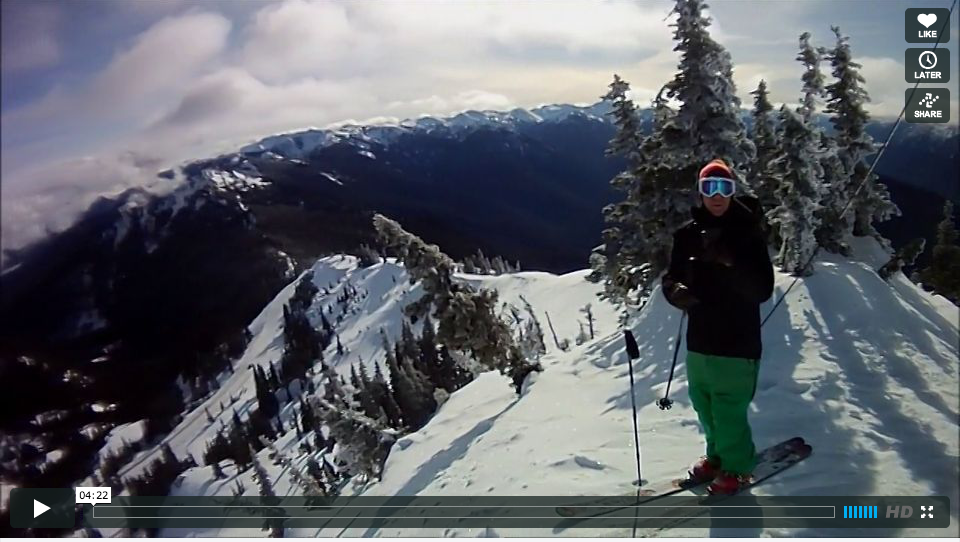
[
  {"x": 767, "y": 458},
  {"x": 791, "y": 458}
]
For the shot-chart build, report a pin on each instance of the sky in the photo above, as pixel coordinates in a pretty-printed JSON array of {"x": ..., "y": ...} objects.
[{"x": 100, "y": 95}]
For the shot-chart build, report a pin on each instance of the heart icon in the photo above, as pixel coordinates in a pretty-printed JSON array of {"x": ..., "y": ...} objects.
[{"x": 927, "y": 19}]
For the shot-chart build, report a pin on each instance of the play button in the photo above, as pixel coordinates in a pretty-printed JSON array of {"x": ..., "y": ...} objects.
[{"x": 41, "y": 508}]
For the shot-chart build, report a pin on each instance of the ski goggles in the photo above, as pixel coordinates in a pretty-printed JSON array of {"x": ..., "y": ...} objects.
[{"x": 711, "y": 186}]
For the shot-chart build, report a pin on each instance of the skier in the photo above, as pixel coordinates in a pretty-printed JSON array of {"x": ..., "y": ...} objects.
[{"x": 719, "y": 273}]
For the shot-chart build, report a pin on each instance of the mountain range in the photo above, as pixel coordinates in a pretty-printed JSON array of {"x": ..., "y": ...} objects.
[{"x": 146, "y": 284}]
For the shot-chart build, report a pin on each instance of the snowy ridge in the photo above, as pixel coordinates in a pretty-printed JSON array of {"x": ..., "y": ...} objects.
[
  {"x": 227, "y": 181},
  {"x": 298, "y": 145},
  {"x": 865, "y": 370}
]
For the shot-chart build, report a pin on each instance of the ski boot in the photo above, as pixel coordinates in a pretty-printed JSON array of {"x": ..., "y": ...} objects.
[
  {"x": 728, "y": 484},
  {"x": 703, "y": 471}
]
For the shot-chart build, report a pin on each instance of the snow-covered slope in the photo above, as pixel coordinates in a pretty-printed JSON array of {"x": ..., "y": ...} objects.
[{"x": 865, "y": 370}]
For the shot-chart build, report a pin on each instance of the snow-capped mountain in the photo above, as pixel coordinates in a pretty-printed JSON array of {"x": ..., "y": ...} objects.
[
  {"x": 865, "y": 370},
  {"x": 148, "y": 283},
  {"x": 298, "y": 145}
]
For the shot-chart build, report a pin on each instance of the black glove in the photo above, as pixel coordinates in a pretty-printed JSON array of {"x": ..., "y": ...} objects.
[{"x": 682, "y": 297}]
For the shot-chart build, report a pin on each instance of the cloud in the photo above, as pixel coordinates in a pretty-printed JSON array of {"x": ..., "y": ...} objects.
[
  {"x": 137, "y": 82},
  {"x": 160, "y": 60},
  {"x": 50, "y": 198},
  {"x": 469, "y": 99},
  {"x": 297, "y": 38},
  {"x": 197, "y": 83},
  {"x": 30, "y": 36}
]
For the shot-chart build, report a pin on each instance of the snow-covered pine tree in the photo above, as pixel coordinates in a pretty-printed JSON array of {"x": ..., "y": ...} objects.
[
  {"x": 383, "y": 396},
  {"x": 943, "y": 273},
  {"x": 415, "y": 405},
  {"x": 467, "y": 319},
  {"x": 834, "y": 229},
  {"x": 239, "y": 445},
  {"x": 812, "y": 78},
  {"x": 423, "y": 386},
  {"x": 266, "y": 399},
  {"x": 367, "y": 256},
  {"x": 799, "y": 174},
  {"x": 903, "y": 257},
  {"x": 709, "y": 112},
  {"x": 827, "y": 234},
  {"x": 627, "y": 138},
  {"x": 531, "y": 342},
  {"x": 845, "y": 104},
  {"x": 310, "y": 486},
  {"x": 265, "y": 487},
  {"x": 608, "y": 260},
  {"x": 660, "y": 181},
  {"x": 362, "y": 443},
  {"x": 364, "y": 397},
  {"x": 764, "y": 137}
]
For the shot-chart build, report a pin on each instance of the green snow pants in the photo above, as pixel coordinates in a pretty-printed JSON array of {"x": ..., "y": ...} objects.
[{"x": 721, "y": 389}]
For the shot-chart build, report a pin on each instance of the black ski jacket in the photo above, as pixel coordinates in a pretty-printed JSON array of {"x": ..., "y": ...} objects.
[{"x": 724, "y": 317}]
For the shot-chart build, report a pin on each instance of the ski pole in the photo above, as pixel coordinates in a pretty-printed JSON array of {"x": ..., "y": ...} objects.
[
  {"x": 666, "y": 402},
  {"x": 633, "y": 352}
]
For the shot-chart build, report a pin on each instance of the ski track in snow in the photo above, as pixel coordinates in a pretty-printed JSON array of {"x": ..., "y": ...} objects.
[{"x": 866, "y": 371}]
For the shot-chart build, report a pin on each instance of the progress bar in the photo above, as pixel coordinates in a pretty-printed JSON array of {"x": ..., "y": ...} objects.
[
  {"x": 639, "y": 511},
  {"x": 521, "y": 512}
]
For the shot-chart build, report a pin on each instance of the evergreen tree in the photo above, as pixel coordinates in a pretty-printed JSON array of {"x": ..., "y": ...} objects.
[
  {"x": 266, "y": 399},
  {"x": 613, "y": 261},
  {"x": 659, "y": 192},
  {"x": 834, "y": 228},
  {"x": 827, "y": 234},
  {"x": 467, "y": 319},
  {"x": 799, "y": 175},
  {"x": 943, "y": 274},
  {"x": 812, "y": 79},
  {"x": 626, "y": 140},
  {"x": 405, "y": 392},
  {"x": 845, "y": 100},
  {"x": 259, "y": 426},
  {"x": 362, "y": 444},
  {"x": 325, "y": 324},
  {"x": 239, "y": 445},
  {"x": 354, "y": 379},
  {"x": 384, "y": 397},
  {"x": 367, "y": 256},
  {"x": 904, "y": 257},
  {"x": 307, "y": 420},
  {"x": 366, "y": 397},
  {"x": 275, "y": 383},
  {"x": 407, "y": 345},
  {"x": 429, "y": 358},
  {"x": 709, "y": 113},
  {"x": 763, "y": 135},
  {"x": 455, "y": 376},
  {"x": 275, "y": 523},
  {"x": 532, "y": 342}
]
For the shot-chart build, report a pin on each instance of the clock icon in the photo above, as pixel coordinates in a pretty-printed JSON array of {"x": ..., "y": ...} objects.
[{"x": 928, "y": 60}]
